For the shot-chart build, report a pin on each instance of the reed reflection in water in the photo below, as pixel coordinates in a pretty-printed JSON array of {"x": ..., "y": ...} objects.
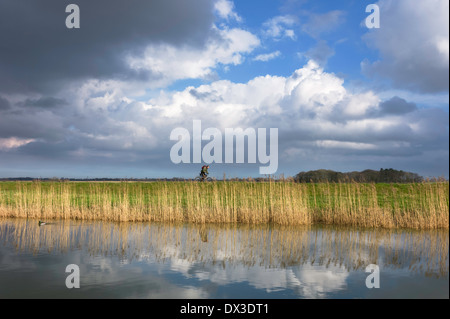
[{"x": 270, "y": 247}]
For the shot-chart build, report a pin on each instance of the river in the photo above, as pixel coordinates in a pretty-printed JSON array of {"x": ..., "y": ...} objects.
[{"x": 185, "y": 261}]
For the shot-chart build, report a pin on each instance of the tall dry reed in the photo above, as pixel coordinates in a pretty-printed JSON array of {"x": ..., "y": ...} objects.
[{"x": 419, "y": 205}]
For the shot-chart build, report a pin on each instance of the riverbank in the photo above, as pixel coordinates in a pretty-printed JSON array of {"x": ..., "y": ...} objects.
[{"x": 415, "y": 205}]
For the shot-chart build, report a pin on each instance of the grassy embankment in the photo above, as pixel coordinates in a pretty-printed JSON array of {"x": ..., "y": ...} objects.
[{"x": 418, "y": 205}]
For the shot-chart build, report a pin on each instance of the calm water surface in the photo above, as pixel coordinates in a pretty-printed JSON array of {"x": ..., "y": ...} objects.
[{"x": 143, "y": 260}]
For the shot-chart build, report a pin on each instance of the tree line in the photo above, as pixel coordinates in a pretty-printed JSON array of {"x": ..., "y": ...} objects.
[{"x": 367, "y": 176}]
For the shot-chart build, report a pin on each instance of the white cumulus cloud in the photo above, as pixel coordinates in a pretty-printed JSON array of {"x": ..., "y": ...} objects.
[
  {"x": 225, "y": 10},
  {"x": 280, "y": 27},
  {"x": 168, "y": 63},
  {"x": 267, "y": 57}
]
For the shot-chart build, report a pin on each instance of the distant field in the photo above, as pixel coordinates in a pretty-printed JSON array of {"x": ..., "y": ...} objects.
[{"x": 415, "y": 205}]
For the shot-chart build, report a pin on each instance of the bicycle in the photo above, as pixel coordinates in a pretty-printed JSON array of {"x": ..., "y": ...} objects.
[{"x": 204, "y": 178}]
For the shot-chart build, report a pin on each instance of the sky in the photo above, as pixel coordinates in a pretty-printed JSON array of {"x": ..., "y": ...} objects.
[{"x": 104, "y": 99}]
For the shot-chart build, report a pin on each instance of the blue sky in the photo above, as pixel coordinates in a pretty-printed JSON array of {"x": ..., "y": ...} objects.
[
  {"x": 102, "y": 100},
  {"x": 342, "y": 36}
]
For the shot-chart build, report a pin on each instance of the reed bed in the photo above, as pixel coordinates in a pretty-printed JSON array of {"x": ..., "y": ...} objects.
[{"x": 418, "y": 205}]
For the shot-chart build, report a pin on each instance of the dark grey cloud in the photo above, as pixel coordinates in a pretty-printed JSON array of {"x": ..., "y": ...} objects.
[
  {"x": 4, "y": 104},
  {"x": 396, "y": 139},
  {"x": 320, "y": 53},
  {"x": 35, "y": 123},
  {"x": 38, "y": 52},
  {"x": 397, "y": 105},
  {"x": 415, "y": 74},
  {"x": 44, "y": 102},
  {"x": 412, "y": 44},
  {"x": 211, "y": 96},
  {"x": 47, "y": 150}
]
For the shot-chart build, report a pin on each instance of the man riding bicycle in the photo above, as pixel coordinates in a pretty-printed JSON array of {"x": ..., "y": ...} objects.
[{"x": 204, "y": 172}]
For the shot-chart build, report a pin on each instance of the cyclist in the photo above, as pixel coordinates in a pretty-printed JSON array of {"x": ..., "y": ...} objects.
[{"x": 204, "y": 172}]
